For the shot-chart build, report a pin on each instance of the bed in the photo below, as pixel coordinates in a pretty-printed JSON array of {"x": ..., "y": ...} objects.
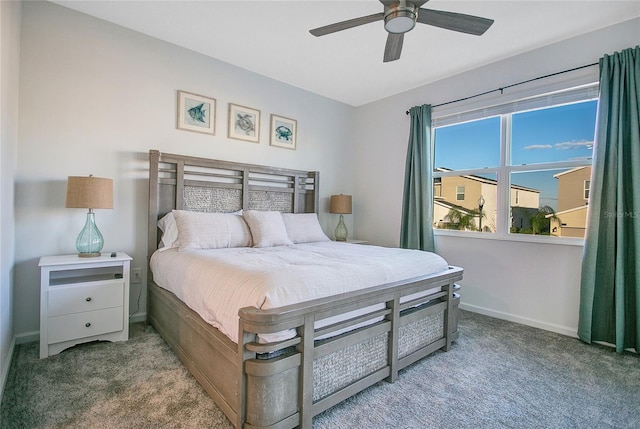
[{"x": 279, "y": 365}]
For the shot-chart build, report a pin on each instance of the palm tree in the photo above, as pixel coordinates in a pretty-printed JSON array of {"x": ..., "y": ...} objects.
[
  {"x": 457, "y": 219},
  {"x": 541, "y": 220}
]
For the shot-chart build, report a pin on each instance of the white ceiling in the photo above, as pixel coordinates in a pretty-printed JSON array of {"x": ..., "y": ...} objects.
[{"x": 272, "y": 37}]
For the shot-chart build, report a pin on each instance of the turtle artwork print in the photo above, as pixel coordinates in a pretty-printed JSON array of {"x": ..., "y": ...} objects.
[
  {"x": 244, "y": 123},
  {"x": 196, "y": 113},
  {"x": 283, "y": 132}
]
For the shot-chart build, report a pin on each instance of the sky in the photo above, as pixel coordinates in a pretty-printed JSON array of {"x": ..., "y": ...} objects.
[{"x": 563, "y": 133}]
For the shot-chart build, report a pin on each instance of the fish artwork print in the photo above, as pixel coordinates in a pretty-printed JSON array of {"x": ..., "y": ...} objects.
[{"x": 198, "y": 113}]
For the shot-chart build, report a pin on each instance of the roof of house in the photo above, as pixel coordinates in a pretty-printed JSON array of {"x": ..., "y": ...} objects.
[
  {"x": 449, "y": 205},
  {"x": 567, "y": 211},
  {"x": 570, "y": 171},
  {"x": 488, "y": 181}
]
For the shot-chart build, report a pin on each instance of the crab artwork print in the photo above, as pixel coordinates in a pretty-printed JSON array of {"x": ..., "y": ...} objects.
[{"x": 283, "y": 132}]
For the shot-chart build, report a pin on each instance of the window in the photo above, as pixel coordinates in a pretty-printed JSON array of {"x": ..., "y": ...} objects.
[
  {"x": 587, "y": 185},
  {"x": 437, "y": 187},
  {"x": 523, "y": 171}
]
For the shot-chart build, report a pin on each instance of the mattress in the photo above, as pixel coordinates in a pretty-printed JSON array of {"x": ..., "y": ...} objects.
[{"x": 216, "y": 283}]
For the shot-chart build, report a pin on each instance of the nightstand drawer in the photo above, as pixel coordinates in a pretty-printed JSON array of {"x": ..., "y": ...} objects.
[
  {"x": 80, "y": 325},
  {"x": 80, "y": 298}
]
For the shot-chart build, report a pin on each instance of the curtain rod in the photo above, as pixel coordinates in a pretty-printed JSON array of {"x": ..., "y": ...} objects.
[{"x": 512, "y": 85}]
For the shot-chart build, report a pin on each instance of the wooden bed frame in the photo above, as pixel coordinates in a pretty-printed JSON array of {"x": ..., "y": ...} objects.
[{"x": 285, "y": 384}]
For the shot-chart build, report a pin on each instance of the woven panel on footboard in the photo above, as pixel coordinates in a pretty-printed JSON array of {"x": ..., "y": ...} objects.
[
  {"x": 420, "y": 333},
  {"x": 341, "y": 368}
]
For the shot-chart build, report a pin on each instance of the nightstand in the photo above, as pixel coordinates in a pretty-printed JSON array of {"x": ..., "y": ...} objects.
[{"x": 83, "y": 299}]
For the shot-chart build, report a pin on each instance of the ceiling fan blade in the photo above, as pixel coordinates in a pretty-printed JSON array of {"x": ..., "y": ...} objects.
[
  {"x": 455, "y": 21},
  {"x": 393, "y": 47},
  {"x": 350, "y": 23}
]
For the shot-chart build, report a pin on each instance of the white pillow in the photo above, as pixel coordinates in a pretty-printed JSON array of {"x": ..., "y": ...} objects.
[
  {"x": 303, "y": 227},
  {"x": 267, "y": 228},
  {"x": 197, "y": 230},
  {"x": 167, "y": 225}
]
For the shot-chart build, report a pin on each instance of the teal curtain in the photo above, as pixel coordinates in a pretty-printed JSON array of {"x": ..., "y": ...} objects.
[
  {"x": 610, "y": 285},
  {"x": 416, "y": 231}
]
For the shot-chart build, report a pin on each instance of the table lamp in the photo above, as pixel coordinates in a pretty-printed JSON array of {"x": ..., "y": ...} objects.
[
  {"x": 89, "y": 193},
  {"x": 341, "y": 204}
]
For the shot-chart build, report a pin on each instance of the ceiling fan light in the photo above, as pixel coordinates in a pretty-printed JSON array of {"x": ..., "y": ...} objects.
[{"x": 400, "y": 21}]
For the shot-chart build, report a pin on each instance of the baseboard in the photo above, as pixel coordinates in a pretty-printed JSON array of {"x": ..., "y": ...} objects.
[
  {"x": 5, "y": 369},
  {"x": 138, "y": 317},
  {"x": 570, "y": 332},
  {"x": 27, "y": 337}
]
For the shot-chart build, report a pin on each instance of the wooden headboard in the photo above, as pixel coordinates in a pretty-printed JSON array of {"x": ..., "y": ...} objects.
[{"x": 208, "y": 185}]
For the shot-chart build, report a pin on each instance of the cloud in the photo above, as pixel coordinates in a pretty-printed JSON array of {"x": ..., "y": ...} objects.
[
  {"x": 538, "y": 146},
  {"x": 574, "y": 145}
]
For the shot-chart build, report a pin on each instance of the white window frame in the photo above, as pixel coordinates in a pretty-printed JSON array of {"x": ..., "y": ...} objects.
[
  {"x": 458, "y": 193},
  {"x": 503, "y": 171}
]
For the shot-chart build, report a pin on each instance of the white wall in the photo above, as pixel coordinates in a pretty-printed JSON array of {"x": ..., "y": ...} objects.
[
  {"x": 537, "y": 284},
  {"x": 95, "y": 97},
  {"x": 9, "y": 78}
]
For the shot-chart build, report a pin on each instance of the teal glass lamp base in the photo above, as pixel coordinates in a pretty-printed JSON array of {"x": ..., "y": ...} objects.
[
  {"x": 90, "y": 241},
  {"x": 341, "y": 230}
]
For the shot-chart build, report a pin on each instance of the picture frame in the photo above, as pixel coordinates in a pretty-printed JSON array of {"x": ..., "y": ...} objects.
[
  {"x": 196, "y": 113},
  {"x": 244, "y": 123},
  {"x": 283, "y": 132}
]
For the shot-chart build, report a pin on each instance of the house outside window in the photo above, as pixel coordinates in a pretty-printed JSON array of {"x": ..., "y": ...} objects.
[{"x": 531, "y": 163}]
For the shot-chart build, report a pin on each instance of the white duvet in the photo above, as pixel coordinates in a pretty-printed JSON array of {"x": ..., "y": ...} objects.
[{"x": 217, "y": 283}]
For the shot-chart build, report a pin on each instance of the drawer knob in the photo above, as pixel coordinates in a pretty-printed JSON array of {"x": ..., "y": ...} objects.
[
  {"x": 88, "y": 299},
  {"x": 87, "y": 324}
]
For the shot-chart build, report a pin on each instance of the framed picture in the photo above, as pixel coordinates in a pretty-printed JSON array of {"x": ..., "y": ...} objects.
[
  {"x": 196, "y": 113},
  {"x": 283, "y": 132},
  {"x": 244, "y": 123}
]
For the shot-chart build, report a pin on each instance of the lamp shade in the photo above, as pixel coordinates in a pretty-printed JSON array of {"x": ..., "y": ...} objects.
[
  {"x": 88, "y": 192},
  {"x": 340, "y": 204}
]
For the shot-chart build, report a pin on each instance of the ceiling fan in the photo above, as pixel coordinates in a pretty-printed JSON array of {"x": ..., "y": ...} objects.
[{"x": 401, "y": 16}]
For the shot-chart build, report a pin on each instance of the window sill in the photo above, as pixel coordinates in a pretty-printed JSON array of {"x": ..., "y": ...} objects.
[{"x": 523, "y": 238}]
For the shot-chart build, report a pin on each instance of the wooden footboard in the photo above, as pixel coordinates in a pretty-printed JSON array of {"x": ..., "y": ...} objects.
[{"x": 308, "y": 375}]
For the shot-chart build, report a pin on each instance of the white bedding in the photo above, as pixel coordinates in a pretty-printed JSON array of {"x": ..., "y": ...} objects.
[{"x": 216, "y": 283}]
